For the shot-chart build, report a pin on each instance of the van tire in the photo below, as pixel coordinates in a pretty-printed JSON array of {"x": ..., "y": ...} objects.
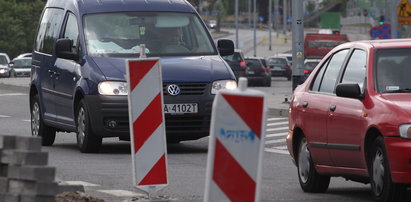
[
  {"x": 310, "y": 180},
  {"x": 383, "y": 189},
  {"x": 87, "y": 141},
  {"x": 38, "y": 127}
]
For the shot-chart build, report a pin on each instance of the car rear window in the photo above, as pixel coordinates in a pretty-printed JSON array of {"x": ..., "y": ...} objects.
[
  {"x": 277, "y": 61},
  {"x": 236, "y": 57},
  {"x": 253, "y": 64}
]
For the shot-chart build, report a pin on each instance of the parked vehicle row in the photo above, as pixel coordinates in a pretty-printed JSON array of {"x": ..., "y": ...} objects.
[{"x": 19, "y": 66}]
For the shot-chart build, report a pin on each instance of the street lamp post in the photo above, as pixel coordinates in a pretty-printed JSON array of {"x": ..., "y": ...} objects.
[
  {"x": 255, "y": 27},
  {"x": 298, "y": 42},
  {"x": 270, "y": 21},
  {"x": 236, "y": 23}
]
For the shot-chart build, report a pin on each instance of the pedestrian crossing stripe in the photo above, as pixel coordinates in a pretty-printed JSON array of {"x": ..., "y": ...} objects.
[
  {"x": 277, "y": 129},
  {"x": 275, "y": 141},
  {"x": 276, "y": 135},
  {"x": 278, "y": 123},
  {"x": 276, "y": 151},
  {"x": 121, "y": 193},
  {"x": 276, "y": 119}
]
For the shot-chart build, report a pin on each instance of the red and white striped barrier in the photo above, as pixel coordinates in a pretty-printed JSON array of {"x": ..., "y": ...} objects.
[
  {"x": 147, "y": 128},
  {"x": 236, "y": 145}
]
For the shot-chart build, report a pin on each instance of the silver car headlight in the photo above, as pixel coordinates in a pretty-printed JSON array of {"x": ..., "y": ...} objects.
[
  {"x": 223, "y": 84},
  {"x": 405, "y": 131},
  {"x": 112, "y": 88}
]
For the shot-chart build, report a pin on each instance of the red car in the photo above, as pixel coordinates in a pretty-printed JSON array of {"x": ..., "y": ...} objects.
[{"x": 352, "y": 118}]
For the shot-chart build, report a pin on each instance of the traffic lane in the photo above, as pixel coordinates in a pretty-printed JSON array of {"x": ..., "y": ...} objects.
[{"x": 14, "y": 111}]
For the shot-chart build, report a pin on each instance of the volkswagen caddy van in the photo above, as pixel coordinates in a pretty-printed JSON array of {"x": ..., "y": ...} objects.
[{"x": 78, "y": 76}]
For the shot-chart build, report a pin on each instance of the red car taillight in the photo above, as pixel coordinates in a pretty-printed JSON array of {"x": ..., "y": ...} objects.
[
  {"x": 306, "y": 71},
  {"x": 287, "y": 67},
  {"x": 242, "y": 65},
  {"x": 267, "y": 68}
]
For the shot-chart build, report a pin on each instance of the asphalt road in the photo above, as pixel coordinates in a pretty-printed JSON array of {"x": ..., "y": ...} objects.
[{"x": 108, "y": 174}]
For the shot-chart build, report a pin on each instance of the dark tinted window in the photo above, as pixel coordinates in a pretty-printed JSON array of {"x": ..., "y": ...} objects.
[
  {"x": 253, "y": 63},
  {"x": 277, "y": 61},
  {"x": 332, "y": 71},
  {"x": 48, "y": 30},
  {"x": 71, "y": 31},
  {"x": 355, "y": 70}
]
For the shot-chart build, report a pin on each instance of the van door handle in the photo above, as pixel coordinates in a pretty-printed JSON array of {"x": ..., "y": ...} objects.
[
  {"x": 333, "y": 107},
  {"x": 305, "y": 104}
]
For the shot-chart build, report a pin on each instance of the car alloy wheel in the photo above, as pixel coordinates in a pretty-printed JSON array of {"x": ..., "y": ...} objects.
[
  {"x": 35, "y": 119},
  {"x": 378, "y": 172},
  {"x": 81, "y": 126},
  {"x": 304, "y": 162}
]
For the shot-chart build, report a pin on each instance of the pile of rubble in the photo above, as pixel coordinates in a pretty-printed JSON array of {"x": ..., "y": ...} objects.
[{"x": 26, "y": 177}]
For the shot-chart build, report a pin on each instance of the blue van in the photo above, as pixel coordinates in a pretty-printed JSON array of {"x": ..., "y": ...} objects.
[{"x": 78, "y": 75}]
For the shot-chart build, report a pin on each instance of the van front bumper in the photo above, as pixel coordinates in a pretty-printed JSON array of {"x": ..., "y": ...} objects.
[{"x": 107, "y": 110}]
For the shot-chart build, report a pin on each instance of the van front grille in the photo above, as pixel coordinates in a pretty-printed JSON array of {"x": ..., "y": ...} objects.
[{"x": 187, "y": 88}]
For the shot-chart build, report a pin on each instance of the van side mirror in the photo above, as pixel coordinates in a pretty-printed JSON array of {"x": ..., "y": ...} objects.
[
  {"x": 63, "y": 49},
  {"x": 225, "y": 47},
  {"x": 349, "y": 90}
]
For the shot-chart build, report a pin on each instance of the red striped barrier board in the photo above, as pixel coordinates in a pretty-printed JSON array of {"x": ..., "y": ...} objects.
[
  {"x": 236, "y": 145},
  {"x": 147, "y": 128}
]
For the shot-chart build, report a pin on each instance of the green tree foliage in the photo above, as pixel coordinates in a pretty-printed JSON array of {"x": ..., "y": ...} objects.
[{"x": 18, "y": 22}]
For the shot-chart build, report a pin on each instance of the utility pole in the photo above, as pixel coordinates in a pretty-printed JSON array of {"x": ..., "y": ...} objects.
[
  {"x": 276, "y": 17},
  {"x": 298, "y": 42},
  {"x": 394, "y": 19},
  {"x": 270, "y": 21},
  {"x": 249, "y": 13},
  {"x": 255, "y": 27},
  {"x": 285, "y": 12},
  {"x": 236, "y": 23}
]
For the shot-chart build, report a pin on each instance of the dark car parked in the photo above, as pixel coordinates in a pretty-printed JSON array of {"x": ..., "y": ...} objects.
[
  {"x": 352, "y": 118},
  {"x": 279, "y": 66},
  {"x": 78, "y": 83},
  {"x": 237, "y": 63},
  {"x": 257, "y": 73}
]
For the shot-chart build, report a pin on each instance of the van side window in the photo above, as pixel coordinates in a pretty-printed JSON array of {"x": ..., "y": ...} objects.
[
  {"x": 48, "y": 30},
  {"x": 71, "y": 31},
  {"x": 356, "y": 69},
  {"x": 332, "y": 71}
]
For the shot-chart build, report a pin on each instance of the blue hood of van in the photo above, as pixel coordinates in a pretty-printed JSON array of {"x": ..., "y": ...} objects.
[{"x": 174, "y": 69}]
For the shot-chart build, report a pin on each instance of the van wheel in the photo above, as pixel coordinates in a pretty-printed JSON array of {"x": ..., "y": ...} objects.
[
  {"x": 38, "y": 128},
  {"x": 383, "y": 189},
  {"x": 87, "y": 141},
  {"x": 310, "y": 180}
]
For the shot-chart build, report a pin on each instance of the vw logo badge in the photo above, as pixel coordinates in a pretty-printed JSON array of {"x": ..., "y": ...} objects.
[{"x": 173, "y": 89}]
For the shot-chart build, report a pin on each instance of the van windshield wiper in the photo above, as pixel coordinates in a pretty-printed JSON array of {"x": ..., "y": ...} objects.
[{"x": 402, "y": 90}]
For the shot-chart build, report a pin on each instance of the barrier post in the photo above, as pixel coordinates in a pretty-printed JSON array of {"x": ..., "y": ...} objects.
[
  {"x": 236, "y": 145},
  {"x": 147, "y": 128}
]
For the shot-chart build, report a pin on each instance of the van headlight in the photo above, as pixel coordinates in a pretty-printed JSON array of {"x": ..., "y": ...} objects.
[
  {"x": 223, "y": 84},
  {"x": 112, "y": 88},
  {"x": 405, "y": 131},
  {"x": 2, "y": 71}
]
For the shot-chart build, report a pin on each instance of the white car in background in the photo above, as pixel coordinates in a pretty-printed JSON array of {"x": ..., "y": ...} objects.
[
  {"x": 20, "y": 67},
  {"x": 4, "y": 65}
]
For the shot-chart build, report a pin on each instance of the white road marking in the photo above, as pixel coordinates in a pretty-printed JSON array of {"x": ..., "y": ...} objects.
[
  {"x": 275, "y": 141},
  {"x": 4, "y": 116},
  {"x": 13, "y": 94},
  {"x": 276, "y": 129},
  {"x": 281, "y": 147},
  {"x": 276, "y": 119},
  {"x": 27, "y": 120},
  {"x": 121, "y": 193},
  {"x": 86, "y": 184},
  {"x": 276, "y": 135},
  {"x": 276, "y": 151},
  {"x": 278, "y": 123}
]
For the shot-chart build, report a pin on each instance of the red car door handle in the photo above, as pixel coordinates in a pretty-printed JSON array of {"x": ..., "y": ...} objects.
[{"x": 333, "y": 107}]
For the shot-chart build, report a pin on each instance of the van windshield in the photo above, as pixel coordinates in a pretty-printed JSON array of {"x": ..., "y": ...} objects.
[{"x": 163, "y": 33}]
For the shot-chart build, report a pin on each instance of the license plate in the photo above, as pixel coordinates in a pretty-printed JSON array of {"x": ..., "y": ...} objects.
[
  {"x": 250, "y": 72},
  {"x": 180, "y": 108},
  {"x": 277, "y": 68}
]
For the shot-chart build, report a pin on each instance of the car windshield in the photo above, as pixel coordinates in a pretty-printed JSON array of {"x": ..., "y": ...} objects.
[
  {"x": 277, "y": 61},
  {"x": 324, "y": 43},
  {"x": 3, "y": 60},
  {"x": 22, "y": 63},
  {"x": 164, "y": 34},
  {"x": 393, "y": 70}
]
